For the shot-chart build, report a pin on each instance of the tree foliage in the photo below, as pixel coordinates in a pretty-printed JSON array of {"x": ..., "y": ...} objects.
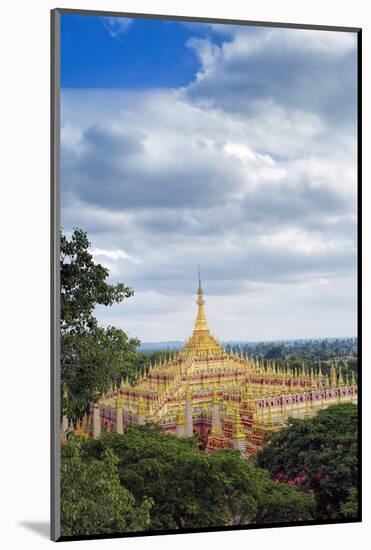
[
  {"x": 292, "y": 353},
  {"x": 319, "y": 455},
  {"x": 92, "y": 357},
  {"x": 191, "y": 489},
  {"x": 91, "y": 362},
  {"x": 93, "y": 501},
  {"x": 349, "y": 509},
  {"x": 83, "y": 284}
]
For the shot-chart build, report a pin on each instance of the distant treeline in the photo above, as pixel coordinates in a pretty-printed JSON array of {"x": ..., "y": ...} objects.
[
  {"x": 344, "y": 351},
  {"x": 308, "y": 350}
]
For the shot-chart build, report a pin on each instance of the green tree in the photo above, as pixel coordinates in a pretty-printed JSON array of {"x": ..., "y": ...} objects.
[
  {"x": 92, "y": 357},
  {"x": 191, "y": 489},
  {"x": 91, "y": 362},
  {"x": 319, "y": 455},
  {"x": 350, "y": 507},
  {"x": 83, "y": 284},
  {"x": 282, "y": 503},
  {"x": 93, "y": 501},
  {"x": 275, "y": 352}
]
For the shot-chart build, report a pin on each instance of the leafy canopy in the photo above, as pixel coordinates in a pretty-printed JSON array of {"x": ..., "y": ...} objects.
[
  {"x": 92, "y": 357},
  {"x": 191, "y": 489},
  {"x": 319, "y": 455},
  {"x": 93, "y": 501},
  {"x": 83, "y": 284}
]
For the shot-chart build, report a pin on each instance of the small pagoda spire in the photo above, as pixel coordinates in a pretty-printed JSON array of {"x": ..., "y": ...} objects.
[
  {"x": 312, "y": 379},
  {"x": 141, "y": 405},
  {"x": 84, "y": 423},
  {"x": 238, "y": 431},
  {"x": 340, "y": 378},
  {"x": 333, "y": 377},
  {"x": 353, "y": 382}
]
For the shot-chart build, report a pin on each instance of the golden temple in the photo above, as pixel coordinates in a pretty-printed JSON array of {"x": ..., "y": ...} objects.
[{"x": 226, "y": 400}]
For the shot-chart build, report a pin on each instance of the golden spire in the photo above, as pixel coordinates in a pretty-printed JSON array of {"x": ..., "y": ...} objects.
[
  {"x": 65, "y": 391},
  {"x": 333, "y": 377},
  {"x": 238, "y": 430},
  {"x": 340, "y": 378},
  {"x": 201, "y": 340},
  {"x": 312, "y": 379},
  {"x": 201, "y": 323},
  {"x": 141, "y": 405}
]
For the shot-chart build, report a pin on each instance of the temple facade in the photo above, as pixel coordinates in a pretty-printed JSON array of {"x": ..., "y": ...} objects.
[{"x": 227, "y": 400}]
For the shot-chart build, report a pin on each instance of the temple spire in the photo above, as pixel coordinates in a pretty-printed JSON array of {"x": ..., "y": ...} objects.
[
  {"x": 201, "y": 323},
  {"x": 201, "y": 339}
]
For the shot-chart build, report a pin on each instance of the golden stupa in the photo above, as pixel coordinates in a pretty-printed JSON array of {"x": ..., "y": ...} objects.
[{"x": 226, "y": 400}]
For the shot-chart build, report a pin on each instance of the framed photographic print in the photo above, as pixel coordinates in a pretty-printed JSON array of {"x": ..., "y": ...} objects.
[{"x": 206, "y": 362}]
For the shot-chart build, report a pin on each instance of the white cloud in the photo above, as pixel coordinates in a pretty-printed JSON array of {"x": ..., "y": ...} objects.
[
  {"x": 113, "y": 254},
  {"x": 260, "y": 190},
  {"x": 304, "y": 71},
  {"x": 116, "y": 26}
]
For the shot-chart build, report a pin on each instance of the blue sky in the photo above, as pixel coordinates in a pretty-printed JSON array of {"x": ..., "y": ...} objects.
[
  {"x": 105, "y": 52},
  {"x": 233, "y": 147}
]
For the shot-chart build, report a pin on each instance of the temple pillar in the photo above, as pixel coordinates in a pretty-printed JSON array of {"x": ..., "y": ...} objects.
[
  {"x": 119, "y": 420},
  {"x": 240, "y": 444},
  {"x": 215, "y": 417},
  {"x": 188, "y": 418},
  {"x": 180, "y": 430},
  {"x": 239, "y": 437},
  {"x": 141, "y": 412},
  {"x": 180, "y": 427},
  {"x": 96, "y": 421}
]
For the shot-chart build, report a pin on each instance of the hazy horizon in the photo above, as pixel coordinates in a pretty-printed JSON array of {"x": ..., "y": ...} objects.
[{"x": 260, "y": 341}]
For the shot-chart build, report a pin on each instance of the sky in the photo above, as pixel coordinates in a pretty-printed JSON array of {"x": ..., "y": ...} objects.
[{"x": 232, "y": 147}]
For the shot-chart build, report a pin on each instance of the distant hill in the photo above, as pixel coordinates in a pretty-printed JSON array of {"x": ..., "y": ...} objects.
[
  {"x": 154, "y": 346},
  {"x": 238, "y": 344}
]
